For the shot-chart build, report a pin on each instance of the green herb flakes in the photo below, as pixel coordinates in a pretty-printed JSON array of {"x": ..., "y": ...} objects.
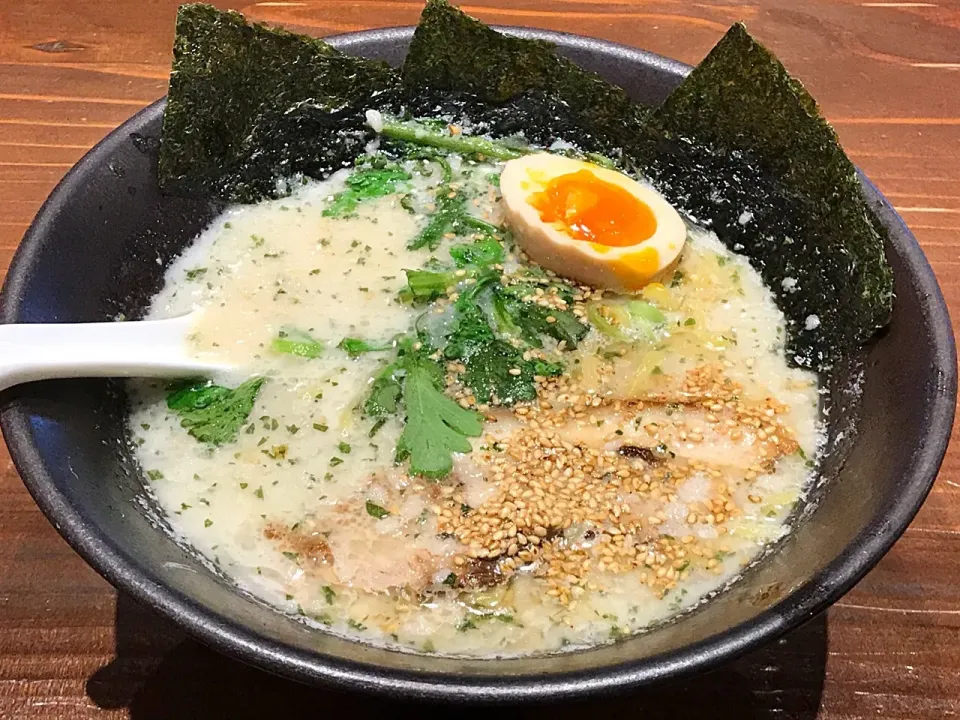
[{"x": 376, "y": 511}]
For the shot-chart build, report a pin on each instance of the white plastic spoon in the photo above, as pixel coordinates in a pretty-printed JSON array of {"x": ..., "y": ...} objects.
[{"x": 146, "y": 348}]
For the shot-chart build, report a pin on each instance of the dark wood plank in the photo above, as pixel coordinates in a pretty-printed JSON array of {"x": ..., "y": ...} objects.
[{"x": 886, "y": 73}]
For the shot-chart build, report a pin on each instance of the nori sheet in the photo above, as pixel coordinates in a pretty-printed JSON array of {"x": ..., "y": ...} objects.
[
  {"x": 248, "y": 105},
  {"x": 452, "y": 51},
  {"x": 742, "y": 148}
]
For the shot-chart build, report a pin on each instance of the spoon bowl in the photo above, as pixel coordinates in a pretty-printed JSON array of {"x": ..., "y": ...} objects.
[{"x": 145, "y": 348}]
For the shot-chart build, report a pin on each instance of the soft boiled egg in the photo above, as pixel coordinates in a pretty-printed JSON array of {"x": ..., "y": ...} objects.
[{"x": 590, "y": 224}]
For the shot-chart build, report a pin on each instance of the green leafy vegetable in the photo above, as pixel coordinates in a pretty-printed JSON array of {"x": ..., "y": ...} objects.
[
  {"x": 451, "y": 209},
  {"x": 427, "y": 155},
  {"x": 385, "y": 393},
  {"x": 435, "y": 426},
  {"x": 533, "y": 320},
  {"x": 376, "y": 511},
  {"x": 525, "y": 290},
  {"x": 562, "y": 325},
  {"x": 481, "y": 253},
  {"x": 249, "y": 105},
  {"x": 365, "y": 185},
  {"x": 420, "y": 134},
  {"x": 296, "y": 342},
  {"x": 428, "y": 285},
  {"x": 503, "y": 318},
  {"x": 495, "y": 369},
  {"x": 450, "y": 216},
  {"x": 428, "y": 136},
  {"x": 471, "y": 332},
  {"x": 211, "y": 413},
  {"x": 471, "y": 222},
  {"x": 355, "y": 347},
  {"x": 489, "y": 374}
]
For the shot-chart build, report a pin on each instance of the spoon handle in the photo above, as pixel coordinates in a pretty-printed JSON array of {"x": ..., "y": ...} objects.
[{"x": 145, "y": 348}]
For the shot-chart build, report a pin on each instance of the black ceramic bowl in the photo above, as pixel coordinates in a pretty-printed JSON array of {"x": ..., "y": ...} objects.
[{"x": 99, "y": 247}]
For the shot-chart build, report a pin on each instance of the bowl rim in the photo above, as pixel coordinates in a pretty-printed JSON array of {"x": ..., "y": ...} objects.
[{"x": 233, "y": 639}]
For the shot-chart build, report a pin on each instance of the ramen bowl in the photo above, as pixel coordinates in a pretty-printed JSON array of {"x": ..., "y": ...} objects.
[{"x": 98, "y": 249}]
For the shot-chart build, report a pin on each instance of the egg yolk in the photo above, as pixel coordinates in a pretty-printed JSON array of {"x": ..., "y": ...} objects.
[{"x": 594, "y": 210}]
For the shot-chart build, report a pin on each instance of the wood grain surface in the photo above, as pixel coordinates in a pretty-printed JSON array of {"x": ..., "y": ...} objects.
[{"x": 888, "y": 76}]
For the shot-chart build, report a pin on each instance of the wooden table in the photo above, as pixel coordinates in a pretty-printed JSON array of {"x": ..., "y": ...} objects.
[{"x": 886, "y": 73}]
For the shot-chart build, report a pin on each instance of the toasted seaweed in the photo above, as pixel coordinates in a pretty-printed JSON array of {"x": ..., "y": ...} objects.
[
  {"x": 452, "y": 51},
  {"x": 249, "y": 104},
  {"x": 742, "y": 148}
]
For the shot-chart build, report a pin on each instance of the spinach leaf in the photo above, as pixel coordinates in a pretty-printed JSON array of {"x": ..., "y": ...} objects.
[
  {"x": 297, "y": 342},
  {"x": 355, "y": 347},
  {"x": 480, "y": 253},
  {"x": 211, "y": 413},
  {"x": 495, "y": 368},
  {"x": 534, "y": 320},
  {"x": 450, "y": 210},
  {"x": 428, "y": 284},
  {"x": 365, "y": 185},
  {"x": 385, "y": 393}
]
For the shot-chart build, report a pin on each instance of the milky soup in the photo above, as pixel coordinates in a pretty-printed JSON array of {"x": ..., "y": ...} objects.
[{"x": 430, "y": 441}]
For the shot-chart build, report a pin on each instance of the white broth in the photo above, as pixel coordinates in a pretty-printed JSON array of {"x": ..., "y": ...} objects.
[{"x": 643, "y": 478}]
